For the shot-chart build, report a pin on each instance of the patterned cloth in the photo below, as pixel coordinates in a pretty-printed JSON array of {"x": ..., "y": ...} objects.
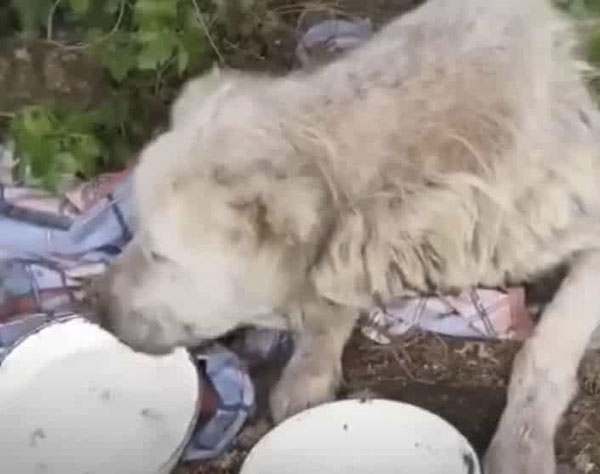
[
  {"x": 233, "y": 404},
  {"x": 50, "y": 246},
  {"x": 478, "y": 313}
]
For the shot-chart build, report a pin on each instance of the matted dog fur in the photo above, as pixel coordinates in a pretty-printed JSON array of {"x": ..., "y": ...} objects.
[{"x": 459, "y": 147}]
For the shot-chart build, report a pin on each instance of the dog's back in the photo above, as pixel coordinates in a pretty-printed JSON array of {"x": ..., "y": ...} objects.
[{"x": 465, "y": 147}]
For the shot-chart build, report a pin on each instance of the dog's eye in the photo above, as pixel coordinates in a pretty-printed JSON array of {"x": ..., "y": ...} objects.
[{"x": 158, "y": 258}]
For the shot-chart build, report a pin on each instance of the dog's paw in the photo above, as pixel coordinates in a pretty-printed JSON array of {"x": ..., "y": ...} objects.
[
  {"x": 303, "y": 385},
  {"x": 520, "y": 448}
]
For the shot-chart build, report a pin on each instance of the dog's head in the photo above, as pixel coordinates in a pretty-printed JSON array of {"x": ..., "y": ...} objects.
[{"x": 227, "y": 223}]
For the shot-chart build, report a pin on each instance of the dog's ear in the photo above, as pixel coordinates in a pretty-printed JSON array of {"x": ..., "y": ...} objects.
[{"x": 289, "y": 211}]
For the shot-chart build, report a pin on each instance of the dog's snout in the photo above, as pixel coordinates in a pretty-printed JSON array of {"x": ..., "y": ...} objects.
[
  {"x": 130, "y": 326},
  {"x": 120, "y": 303},
  {"x": 95, "y": 306},
  {"x": 102, "y": 316}
]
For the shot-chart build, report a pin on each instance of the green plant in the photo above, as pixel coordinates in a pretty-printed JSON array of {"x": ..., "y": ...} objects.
[
  {"x": 54, "y": 144},
  {"x": 587, "y": 14},
  {"x": 147, "y": 47},
  {"x": 579, "y": 8},
  {"x": 163, "y": 37}
]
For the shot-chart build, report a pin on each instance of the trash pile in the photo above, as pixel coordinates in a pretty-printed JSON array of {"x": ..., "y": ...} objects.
[{"x": 51, "y": 245}]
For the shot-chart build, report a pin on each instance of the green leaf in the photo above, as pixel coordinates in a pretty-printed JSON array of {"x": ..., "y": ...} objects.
[
  {"x": 593, "y": 48},
  {"x": 76, "y": 153},
  {"x": 50, "y": 180},
  {"x": 113, "y": 6},
  {"x": 120, "y": 64},
  {"x": 113, "y": 112},
  {"x": 79, "y": 7},
  {"x": 197, "y": 47},
  {"x": 154, "y": 13},
  {"x": 593, "y": 5},
  {"x": 94, "y": 34},
  {"x": 183, "y": 59},
  {"x": 157, "y": 48},
  {"x": 120, "y": 59},
  {"x": 89, "y": 146},
  {"x": 80, "y": 122},
  {"x": 37, "y": 121},
  {"x": 40, "y": 153},
  {"x": 32, "y": 14},
  {"x": 577, "y": 8},
  {"x": 66, "y": 163}
]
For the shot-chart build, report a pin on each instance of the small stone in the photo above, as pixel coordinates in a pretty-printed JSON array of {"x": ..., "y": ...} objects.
[{"x": 583, "y": 463}]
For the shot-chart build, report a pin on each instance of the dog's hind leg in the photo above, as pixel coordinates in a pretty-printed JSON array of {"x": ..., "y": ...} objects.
[
  {"x": 314, "y": 372},
  {"x": 544, "y": 377}
]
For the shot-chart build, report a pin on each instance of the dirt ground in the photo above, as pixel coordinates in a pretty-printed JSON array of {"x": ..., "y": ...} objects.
[{"x": 464, "y": 382}]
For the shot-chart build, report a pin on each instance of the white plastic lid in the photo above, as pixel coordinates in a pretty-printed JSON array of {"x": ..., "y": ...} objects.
[
  {"x": 363, "y": 437},
  {"x": 74, "y": 400}
]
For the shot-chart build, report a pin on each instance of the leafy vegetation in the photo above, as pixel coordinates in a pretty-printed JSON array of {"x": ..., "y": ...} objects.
[
  {"x": 146, "y": 47},
  {"x": 53, "y": 144}
]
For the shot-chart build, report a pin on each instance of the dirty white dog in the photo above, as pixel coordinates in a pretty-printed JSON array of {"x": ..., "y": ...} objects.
[{"x": 457, "y": 148}]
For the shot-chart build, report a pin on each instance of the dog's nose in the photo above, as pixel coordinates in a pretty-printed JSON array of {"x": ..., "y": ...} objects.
[
  {"x": 131, "y": 328},
  {"x": 95, "y": 305}
]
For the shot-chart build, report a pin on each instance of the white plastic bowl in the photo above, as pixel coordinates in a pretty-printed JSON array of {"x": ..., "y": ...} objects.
[
  {"x": 363, "y": 437},
  {"x": 74, "y": 400}
]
